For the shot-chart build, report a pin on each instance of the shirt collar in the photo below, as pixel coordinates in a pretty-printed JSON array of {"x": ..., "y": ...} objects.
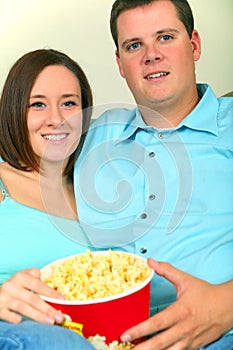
[
  {"x": 134, "y": 123},
  {"x": 203, "y": 117}
]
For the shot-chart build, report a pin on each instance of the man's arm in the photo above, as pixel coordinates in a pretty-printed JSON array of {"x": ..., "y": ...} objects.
[{"x": 202, "y": 313}]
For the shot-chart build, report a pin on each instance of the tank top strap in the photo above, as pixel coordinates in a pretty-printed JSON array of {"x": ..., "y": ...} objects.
[{"x": 3, "y": 190}]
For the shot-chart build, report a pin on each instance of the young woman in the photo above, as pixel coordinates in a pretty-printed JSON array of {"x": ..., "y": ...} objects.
[{"x": 45, "y": 110}]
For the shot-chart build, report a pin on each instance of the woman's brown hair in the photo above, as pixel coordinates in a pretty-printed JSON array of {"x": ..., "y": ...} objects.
[{"x": 15, "y": 147}]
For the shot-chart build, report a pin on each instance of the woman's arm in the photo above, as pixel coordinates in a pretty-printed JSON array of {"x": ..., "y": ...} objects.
[{"x": 19, "y": 296}]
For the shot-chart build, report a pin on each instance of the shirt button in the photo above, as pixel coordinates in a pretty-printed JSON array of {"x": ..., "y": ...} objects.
[
  {"x": 143, "y": 250},
  {"x": 143, "y": 216},
  {"x": 152, "y": 197},
  {"x": 160, "y": 135},
  {"x": 152, "y": 154}
]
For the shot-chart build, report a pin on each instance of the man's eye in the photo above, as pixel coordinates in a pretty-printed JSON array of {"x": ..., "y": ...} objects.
[
  {"x": 134, "y": 46},
  {"x": 166, "y": 37}
]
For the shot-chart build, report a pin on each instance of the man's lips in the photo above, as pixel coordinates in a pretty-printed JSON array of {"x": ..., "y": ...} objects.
[{"x": 156, "y": 75}]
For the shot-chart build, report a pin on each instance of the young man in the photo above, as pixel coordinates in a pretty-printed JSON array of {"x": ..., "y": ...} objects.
[{"x": 158, "y": 180}]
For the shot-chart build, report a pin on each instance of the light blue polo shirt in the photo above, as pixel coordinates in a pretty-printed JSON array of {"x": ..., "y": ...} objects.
[{"x": 162, "y": 193}]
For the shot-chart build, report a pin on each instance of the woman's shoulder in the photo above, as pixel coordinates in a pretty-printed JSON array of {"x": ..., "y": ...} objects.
[
  {"x": 2, "y": 165},
  {"x": 2, "y": 185},
  {"x": 6, "y": 172},
  {"x": 10, "y": 177},
  {"x": 5, "y": 169}
]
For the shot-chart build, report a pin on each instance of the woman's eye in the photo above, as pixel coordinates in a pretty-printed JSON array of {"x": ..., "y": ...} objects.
[
  {"x": 69, "y": 104},
  {"x": 37, "y": 105},
  {"x": 134, "y": 46}
]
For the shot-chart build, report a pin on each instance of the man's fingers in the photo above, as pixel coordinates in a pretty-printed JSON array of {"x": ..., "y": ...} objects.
[
  {"x": 159, "y": 322},
  {"x": 166, "y": 270}
]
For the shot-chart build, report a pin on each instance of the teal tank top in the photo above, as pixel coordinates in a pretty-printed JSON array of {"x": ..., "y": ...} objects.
[{"x": 33, "y": 238}]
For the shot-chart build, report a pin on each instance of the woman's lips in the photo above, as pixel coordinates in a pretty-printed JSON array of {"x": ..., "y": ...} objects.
[{"x": 55, "y": 137}]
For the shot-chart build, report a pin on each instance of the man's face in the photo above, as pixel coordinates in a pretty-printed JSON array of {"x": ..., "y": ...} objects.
[{"x": 156, "y": 55}]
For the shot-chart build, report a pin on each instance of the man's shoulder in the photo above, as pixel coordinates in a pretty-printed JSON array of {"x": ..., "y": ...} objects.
[
  {"x": 110, "y": 125},
  {"x": 226, "y": 103},
  {"x": 114, "y": 116},
  {"x": 225, "y": 122},
  {"x": 225, "y": 111}
]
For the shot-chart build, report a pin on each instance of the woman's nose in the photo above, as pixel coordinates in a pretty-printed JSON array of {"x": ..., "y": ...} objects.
[{"x": 55, "y": 116}]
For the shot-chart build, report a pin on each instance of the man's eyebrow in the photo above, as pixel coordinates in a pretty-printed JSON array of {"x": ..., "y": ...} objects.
[
  {"x": 129, "y": 41},
  {"x": 167, "y": 30},
  {"x": 159, "y": 32}
]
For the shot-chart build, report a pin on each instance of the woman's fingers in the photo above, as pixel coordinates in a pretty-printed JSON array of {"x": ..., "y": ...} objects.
[
  {"x": 20, "y": 295},
  {"x": 30, "y": 280}
]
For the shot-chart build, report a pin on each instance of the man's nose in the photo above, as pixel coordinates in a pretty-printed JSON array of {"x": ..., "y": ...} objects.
[{"x": 152, "y": 54}]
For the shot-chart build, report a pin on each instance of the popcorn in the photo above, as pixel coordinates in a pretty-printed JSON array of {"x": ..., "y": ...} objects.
[
  {"x": 99, "y": 343},
  {"x": 88, "y": 276}
]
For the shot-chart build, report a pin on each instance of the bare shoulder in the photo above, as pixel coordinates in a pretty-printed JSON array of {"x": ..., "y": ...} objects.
[
  {"x": 17, "y": 182},
  {"x": 3, "y": 170},
  {"x": 7, "y": 171}
]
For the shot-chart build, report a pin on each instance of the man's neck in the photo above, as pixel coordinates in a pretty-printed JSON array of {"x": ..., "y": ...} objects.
[{"x": 167, "y": 115}]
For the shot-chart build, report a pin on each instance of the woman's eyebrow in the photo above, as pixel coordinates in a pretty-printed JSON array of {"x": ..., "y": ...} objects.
[
  {"x": 63, "y": 96},
  {"x": 37, "y": 96},
  {"x": 71, "y": 95}
]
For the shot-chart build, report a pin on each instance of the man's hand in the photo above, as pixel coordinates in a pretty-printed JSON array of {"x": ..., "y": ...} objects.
[
  {"x": 201, "y": 314},
  {"x": 20, "y": 296}
]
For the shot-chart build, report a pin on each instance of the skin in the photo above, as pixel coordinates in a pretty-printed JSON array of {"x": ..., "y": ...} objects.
[
  {"x": 153, "y": 40},
  {"x": 191, "y": 321},
  {"x": 54, "y": 108}
]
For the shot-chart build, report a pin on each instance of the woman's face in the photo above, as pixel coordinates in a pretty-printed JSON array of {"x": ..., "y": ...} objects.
[{"x": 54, "y": 117}]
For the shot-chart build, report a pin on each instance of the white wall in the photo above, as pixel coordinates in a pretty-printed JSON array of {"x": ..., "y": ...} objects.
[{"x": 81, "y": 29}]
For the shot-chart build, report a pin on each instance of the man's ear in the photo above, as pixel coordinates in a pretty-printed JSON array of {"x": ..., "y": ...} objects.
[
  {"x": 118, "y": 60},
  {"x": 196, "y": 45}
]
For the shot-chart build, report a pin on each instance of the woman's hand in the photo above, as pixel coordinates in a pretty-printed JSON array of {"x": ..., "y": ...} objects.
[
  {"x": 19, "y": 296},
  {"x": 201, "y": 314}
]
